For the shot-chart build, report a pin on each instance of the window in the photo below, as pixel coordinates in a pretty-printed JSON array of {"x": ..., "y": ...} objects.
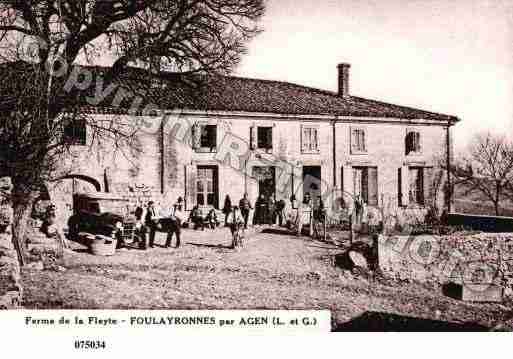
[
  {"x": 416, "y": 190},
  {"x": 75, "y": 132},
  {"x": 412, "y": 142},
  {"x": 265, "y": 138},
  {"x": 208, "y": 137},
  {"x": 206, "y": 186},
  {"x": 309, "y": 139},
  {"x": 358, "y": 140},
  {"x": 366, "y": 184}
]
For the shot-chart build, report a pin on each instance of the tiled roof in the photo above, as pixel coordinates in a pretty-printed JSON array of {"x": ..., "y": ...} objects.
[{"x": 237, "y": 94}]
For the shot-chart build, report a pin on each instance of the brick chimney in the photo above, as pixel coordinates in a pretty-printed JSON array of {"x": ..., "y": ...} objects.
[{"x": 343, "y": 79}]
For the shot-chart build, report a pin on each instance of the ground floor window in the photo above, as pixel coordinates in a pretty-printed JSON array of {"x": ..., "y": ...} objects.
[
  {"x": 207, "y": 193},
  {"x": 416, "y": 191},
  {"x": 366, "y": 184}
]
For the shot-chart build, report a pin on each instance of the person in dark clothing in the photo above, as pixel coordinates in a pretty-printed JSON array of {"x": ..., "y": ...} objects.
[
  {"x": 140, "y": 228},
  {"x": 196, "y": 218},
  {"x": 245, "y": 207},
  {"x": 271, "y": 210},
  {"x": 152, "y": 220},
  {"x": 280, "y": 208},
  {"x": 227, "y": 208},
  {"x": 175, "y": 226},
  {"x": 260, "y": 210}
]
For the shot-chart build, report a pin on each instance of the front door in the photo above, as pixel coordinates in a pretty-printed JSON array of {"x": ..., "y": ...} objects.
[
  {"x": 266, "y": 177},
  {"x": 312, "y": 183},
  {"x": 207, "y": 193}
]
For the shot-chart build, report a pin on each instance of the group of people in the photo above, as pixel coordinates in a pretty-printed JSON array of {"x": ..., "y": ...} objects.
[
  {"x": 268, "y": 211},
  {"x": 150, "y": 220}
]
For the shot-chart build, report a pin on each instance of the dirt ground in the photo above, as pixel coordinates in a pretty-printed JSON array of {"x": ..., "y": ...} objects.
[{"x": 272, "y": 271}]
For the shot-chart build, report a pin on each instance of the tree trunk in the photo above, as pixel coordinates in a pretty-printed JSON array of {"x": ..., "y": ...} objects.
[
  {"x": 22, "y": 202},
  {"x": 497, "y": 209}
]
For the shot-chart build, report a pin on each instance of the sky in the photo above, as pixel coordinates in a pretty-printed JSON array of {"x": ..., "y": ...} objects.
[{"x": 448, "y": 56}]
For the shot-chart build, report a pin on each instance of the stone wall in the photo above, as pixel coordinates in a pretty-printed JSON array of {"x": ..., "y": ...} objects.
[
  {"x": 467, "y": 259},
  {"x": 10, "y": 289}
]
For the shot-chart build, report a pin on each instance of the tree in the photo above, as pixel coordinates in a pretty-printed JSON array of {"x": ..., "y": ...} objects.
[
  {"x": 42, "y": 41},
  {"x": 487, "y": 169}
]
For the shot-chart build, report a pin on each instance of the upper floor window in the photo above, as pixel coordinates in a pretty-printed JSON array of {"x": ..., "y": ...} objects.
[
  {"x": 412, "y": 142},
  {"x": 75, "y": 132},
  {"x": 205, "y": 137},
  {"x": 358, "y": 140},
  {"x": 309, "y": 139},
  {"x": 265, "y": 138}
]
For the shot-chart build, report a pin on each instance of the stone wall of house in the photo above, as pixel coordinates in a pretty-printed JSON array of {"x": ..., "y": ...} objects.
[
  {"x": 461, "y": 258},
  {"x": 386, "y": 151},
  {"x": 10, "y": 288},
  {"x": 159, "y": 169}
]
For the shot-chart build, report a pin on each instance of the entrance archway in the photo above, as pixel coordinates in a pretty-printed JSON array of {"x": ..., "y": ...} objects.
[{"x": 96, "y": 184}]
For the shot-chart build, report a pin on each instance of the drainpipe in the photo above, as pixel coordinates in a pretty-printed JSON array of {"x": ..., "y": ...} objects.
[
  {"x": 246, "y": 175},
  {"x": 334, "y": 154},
  {"x": 448, "y": 160}
]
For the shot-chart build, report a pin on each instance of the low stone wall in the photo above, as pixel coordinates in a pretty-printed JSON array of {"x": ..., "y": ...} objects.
[
  {"x": 473, "y": 260},
  {"x": 10, "y": 288}
]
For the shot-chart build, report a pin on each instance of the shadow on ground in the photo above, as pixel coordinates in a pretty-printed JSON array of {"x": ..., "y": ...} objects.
[
  {"x": 387, "y": 322},
  {"x": 279, "y": 231},
  {"x": 210, "y": 245}
]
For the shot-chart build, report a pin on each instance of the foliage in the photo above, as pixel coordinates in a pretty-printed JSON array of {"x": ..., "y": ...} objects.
[
  {"x": 42, "y": 41},
  {"x": 487, "y": 169}
]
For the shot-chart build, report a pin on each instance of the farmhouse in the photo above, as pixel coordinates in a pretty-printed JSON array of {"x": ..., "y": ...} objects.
[{"x": 225, "y": 135}]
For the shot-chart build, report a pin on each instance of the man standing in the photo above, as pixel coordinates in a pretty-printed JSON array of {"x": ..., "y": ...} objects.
[
  {"x": 152, "y": 220},
  {"x": 260, "y": 210},
  {"x": 280, "y": 211},
  {"x": 235, "y": 222},
  {"x": 177, "y": 218},
  {"x": 140, "y": 228},
  {"x": 245, "y": 207}
]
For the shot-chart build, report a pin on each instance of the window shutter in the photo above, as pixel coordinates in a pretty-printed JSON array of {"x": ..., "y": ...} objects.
[
  {"x": 304, "y": 139},
  {"x": 354, "y": 139},
  {"x": 364, "y": 142},
  {"x": 408, "y": 143},
  {"x": 315, "y": 135},
  {"x": 253, "y": 137},
  {"x": 373, "y": 186},
  {"x": 196, "y": 136},
  {"x": 190, "y": 186},
  {"x": 418, "y": 146},
  {"x": 348, "y": 185},
  {"x": 428, "y": 186},
  {"x": 365, "y": 185},
  {"x": 269, "y": 139},
  {"x": 404, "y": 186},
  {"x": 421, "y": 187}
]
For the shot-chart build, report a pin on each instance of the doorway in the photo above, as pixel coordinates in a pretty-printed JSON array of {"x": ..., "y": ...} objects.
[
  {"x": 207, "y": 193},
  {"x": 266, "y": 177},
  {"x": 312, "y": 183}
]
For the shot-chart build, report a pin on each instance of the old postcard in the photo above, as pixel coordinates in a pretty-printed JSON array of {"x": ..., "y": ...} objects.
[{"x": 245, "y": 167}]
